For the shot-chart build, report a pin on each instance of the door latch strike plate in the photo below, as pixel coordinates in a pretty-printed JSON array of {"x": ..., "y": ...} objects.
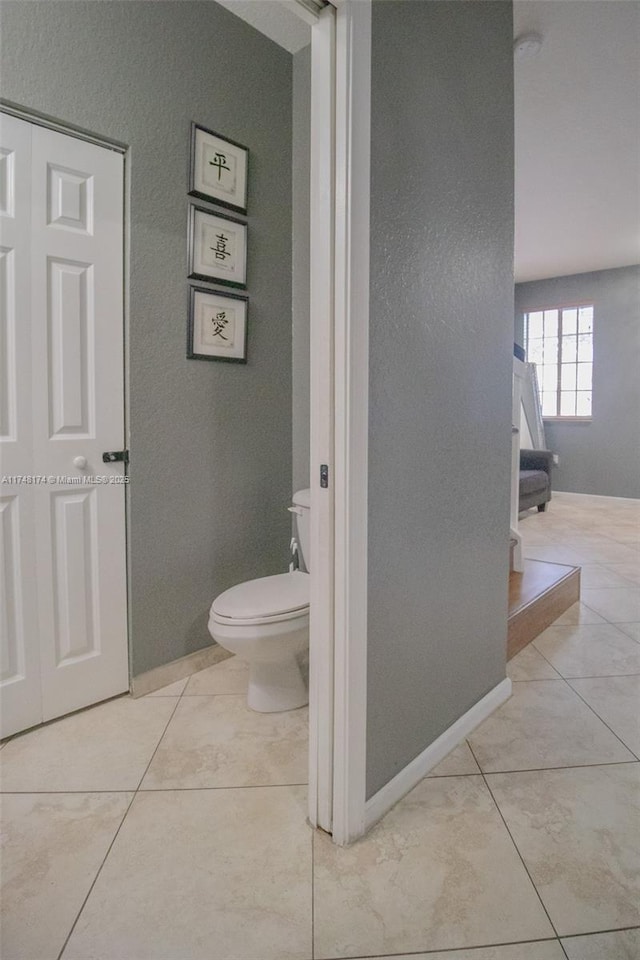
[{"x": 324, "y": 475}]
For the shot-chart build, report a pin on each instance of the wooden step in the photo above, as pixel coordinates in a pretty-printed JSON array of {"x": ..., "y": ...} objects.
[{"x": 537, "y": 597}]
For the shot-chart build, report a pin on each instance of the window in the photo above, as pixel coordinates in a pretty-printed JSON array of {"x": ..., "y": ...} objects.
[{"x": 560, "y": 342}]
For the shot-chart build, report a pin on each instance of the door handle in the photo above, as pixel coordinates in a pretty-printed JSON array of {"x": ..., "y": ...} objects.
[{"x": 115, "y": 456}]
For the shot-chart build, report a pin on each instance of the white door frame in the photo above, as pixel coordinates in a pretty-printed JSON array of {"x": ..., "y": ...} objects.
[
  {"x": 321, "y": 288},
  {"x": 340, "y": 187}
]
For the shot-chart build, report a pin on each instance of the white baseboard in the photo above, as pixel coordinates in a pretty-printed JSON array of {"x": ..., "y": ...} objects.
[
  {"x": 593, "y": 496},
  {"x": 382, "y": 801},
  {"x": 177, "y": 669}
]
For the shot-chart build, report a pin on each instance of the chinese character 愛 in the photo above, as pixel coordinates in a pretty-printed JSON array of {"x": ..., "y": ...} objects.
[{"x": 219, "y": 322}]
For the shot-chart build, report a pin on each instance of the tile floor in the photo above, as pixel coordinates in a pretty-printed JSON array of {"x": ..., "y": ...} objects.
[{"x": 173, "y": 827}]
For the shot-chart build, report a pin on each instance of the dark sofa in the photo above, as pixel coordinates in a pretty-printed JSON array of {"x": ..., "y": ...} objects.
[{"x": 535, "y": 479}]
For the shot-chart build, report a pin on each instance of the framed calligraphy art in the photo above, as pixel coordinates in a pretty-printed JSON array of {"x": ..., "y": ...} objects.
[
  {"x": 219, "y": 169},
  {"x": 217, "y": 248},
  {"x": 217, "y": 326}
]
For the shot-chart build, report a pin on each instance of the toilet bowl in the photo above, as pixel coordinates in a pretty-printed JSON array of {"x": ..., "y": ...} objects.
[{"x": 266, "y": 623}]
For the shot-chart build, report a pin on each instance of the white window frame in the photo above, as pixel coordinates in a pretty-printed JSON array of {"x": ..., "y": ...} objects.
[{"x": 561, "y": 309}]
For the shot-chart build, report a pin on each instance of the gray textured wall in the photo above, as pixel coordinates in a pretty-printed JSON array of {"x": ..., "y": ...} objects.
[
  {"x": 603, "y": 456},
  {"x": 210, "y": 442},
  {"x": 301, "y": 265},
  {"x": 440, "y": 370}
]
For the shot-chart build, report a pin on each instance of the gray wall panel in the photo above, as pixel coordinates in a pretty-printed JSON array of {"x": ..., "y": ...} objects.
[
  {"x": 210, "y": 442},
  {"x": 440, "y": 369},
  {"x": 603, "y": 456}
]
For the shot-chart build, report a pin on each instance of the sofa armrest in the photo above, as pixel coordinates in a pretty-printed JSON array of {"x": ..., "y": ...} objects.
[{"x": 536, "y": 460}]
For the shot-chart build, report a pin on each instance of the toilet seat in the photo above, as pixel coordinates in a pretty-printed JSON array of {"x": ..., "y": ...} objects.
[
  {"x": 284, "y": 596},
  {"x": 302, "y": 614}
]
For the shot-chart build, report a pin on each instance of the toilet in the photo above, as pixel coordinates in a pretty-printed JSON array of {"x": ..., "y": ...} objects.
[{"x": 266, "y": 623}]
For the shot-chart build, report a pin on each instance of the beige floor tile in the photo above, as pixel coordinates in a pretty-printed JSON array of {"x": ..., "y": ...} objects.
[
  {"x": 555, "y": 553},
  {"x": 629, "y": 571},
  {"x": 219, "y": 742},
  {"x": 619, "y": 945},
  {"x": 228, "y": 676},
  {"x": 532, "y": 537},
  {"x": 628, "y": 533},
  {"x": 544, "y": 724},
  {"x": 578, "y": 614},
  {"x": 540, "y": 950},
  {"x": 631, "y": 630},
  {"x": 616, "y": 700},
  {"x": 204, "y": 874},
  {"x": 171, "y": 690},
  {"x": 439, "y": 871},
  {"x": 593, "y": 575},
  {"x": 606, "y": 552},
  {"x": 589, "y": 650},
  {"x": 529, "y": 664},
  {"x": 52, "y": 848},
  {"x": 619, "y": 605},
  {"x": 578, "y": 832},
  {"x": 105, "y": 748},
  {"x": 458, "y": 763}
]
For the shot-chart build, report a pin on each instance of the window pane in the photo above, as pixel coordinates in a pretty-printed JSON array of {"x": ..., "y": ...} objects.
[
  {"x": 534, "y": 325},
  {"x": 585, "y": 347},
  {"x": 584, "y": 376},
  {"x": 568, "y": 376},
  {"x": 586, "y": 319},
  {"x": 583, "y": 404},
  {"x": 534, "y": 351},
  {"x": 548, "y": 405},
  {"x": 549, "y": 376},
  {"x": 569, "y": 321},
  {"x": 569, "y": 345},
  {"x": 551, "y": 323},
  {"x": 567, "y": 404},
  {"x": 551, "y": 350}
]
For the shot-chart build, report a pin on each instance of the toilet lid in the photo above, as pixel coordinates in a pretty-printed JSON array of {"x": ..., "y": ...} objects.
[{"x": 266, "y": 597}]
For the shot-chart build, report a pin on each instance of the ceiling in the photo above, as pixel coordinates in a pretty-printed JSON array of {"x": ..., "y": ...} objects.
[
  {"x": 577, "y": 129},
  {"x": 275, "y": 18}
]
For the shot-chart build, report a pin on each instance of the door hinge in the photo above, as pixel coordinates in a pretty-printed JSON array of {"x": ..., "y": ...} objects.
[
  {"x": 115, "y": 456},
  {"x": 324, "y": 475}
]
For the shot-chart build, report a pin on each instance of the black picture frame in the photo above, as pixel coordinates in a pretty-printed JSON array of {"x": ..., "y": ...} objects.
[
  {"x": 222, "y": 274},
  {"x": 233, "y": 194},
  {"x": 238, "y": 353}
]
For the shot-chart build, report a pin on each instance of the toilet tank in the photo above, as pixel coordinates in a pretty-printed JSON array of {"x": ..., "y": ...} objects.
[{"x": 301, "y": 509}]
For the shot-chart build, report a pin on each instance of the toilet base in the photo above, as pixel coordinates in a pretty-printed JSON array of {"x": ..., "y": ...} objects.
[{"x": 276, "y": 685}]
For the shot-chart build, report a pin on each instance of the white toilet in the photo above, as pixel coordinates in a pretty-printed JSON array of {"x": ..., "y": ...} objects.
[{"x": 266, "y": 622}]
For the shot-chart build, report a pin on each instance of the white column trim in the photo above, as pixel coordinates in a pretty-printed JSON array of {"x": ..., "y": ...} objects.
[
  {"x": 353, "y": 148},
  {"x": 322, "y": 201}
]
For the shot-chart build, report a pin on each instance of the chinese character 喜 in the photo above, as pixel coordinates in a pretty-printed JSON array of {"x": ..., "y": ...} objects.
[{"x": 220, "y": 249}]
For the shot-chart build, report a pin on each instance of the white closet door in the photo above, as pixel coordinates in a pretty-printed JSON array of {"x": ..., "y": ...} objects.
[
  {"x": 20, "y": 697},
  {"x": 75, "y": 328},
  {"x": 77, "y": 337}
]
